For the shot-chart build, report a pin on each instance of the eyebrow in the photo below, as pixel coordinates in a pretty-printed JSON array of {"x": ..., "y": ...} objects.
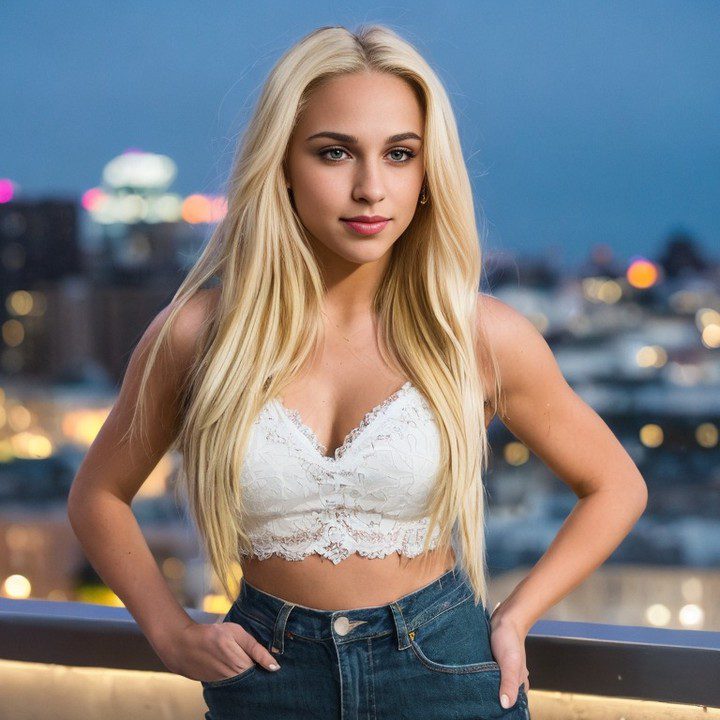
[{"x": 351, "y": 139}]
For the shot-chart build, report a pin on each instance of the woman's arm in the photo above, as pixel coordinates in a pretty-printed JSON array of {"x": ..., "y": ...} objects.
[
  {"x": 544, "y": 413},
  {"x": 113, "y": 470},
  {"x": 99, "y": 509}
]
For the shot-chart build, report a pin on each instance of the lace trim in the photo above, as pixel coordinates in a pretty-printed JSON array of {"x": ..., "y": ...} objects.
[
  {"x": 369, "y": 416},
  {"x": 337, "y": 540}
]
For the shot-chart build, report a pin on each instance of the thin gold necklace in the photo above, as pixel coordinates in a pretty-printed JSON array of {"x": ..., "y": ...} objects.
[{"x": 342, "y": 335}]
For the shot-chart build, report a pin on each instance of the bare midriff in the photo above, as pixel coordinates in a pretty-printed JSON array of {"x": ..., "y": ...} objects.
[{"x": 355, "y": 582}]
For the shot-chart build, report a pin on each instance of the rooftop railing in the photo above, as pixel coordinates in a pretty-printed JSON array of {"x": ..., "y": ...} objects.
[{"x": 571, "y": 663}]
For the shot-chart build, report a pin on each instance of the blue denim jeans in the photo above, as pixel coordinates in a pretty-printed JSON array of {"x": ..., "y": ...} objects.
[{"x": 425, "y": 656}]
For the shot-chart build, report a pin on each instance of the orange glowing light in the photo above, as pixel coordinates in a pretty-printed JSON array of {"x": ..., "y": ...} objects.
[
  {"x": 642, "y": 274},
  {"x": 196, "y": 209}
]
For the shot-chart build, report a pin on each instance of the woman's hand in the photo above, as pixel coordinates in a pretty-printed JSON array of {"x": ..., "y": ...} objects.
[
  {"x": 507, "y": 641},
  {"x": 211, "y": 652}
]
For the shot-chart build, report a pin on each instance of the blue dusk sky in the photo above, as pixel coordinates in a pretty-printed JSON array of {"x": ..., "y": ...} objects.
[{"x": 581, "y": 122}]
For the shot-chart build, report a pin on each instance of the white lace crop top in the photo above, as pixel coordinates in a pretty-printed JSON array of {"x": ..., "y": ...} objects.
[{"x": 368, "y": 498}]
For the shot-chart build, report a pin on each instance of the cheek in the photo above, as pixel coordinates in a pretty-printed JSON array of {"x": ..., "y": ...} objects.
[
  {"x": 407, "y": 199},
  {"x": 408, "y": 185},
  {"x": 319, "y": 204},
  {"x": 411, "y": 195},
  {"x": 323, "y": 192}
]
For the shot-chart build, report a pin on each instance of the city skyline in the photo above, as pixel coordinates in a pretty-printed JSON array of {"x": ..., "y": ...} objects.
[{"x": 580, "y": 124}]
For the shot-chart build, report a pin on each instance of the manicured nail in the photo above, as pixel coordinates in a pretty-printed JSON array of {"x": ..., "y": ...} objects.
[
  {"x": 274, "y": 667},
  {"x": 505, "y": 701}
]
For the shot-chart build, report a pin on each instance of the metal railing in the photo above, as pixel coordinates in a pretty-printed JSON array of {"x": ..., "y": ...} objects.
[{"x": 678, "y": 666}]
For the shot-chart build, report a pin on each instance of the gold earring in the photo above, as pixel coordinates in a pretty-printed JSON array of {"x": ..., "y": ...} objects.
[{"x": 423, "y": 195}]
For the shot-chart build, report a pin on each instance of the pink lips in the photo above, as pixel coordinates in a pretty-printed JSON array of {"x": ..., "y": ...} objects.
[{"x": 366, "y": 228}]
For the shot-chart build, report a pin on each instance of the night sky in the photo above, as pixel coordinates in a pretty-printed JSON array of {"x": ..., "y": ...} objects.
[{"x": 581, "y": 122}]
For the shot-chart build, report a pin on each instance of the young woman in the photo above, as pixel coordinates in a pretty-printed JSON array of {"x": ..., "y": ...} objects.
[{"x": 330, "y": 395}]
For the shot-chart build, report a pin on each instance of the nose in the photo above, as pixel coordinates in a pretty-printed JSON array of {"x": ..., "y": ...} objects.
[{"x": 369, "y": 184}]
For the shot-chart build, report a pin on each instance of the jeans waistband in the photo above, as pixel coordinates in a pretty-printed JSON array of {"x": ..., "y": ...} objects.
[{"x": 401, "y": 616}]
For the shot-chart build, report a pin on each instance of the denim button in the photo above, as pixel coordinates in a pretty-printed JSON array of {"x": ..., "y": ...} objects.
[{"x": 342, "y": 625}]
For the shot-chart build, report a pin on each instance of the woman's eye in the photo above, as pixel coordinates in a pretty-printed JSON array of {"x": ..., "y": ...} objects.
[
  {"x": 409, "y": 153},
  {"x": 325, "y": 154}
]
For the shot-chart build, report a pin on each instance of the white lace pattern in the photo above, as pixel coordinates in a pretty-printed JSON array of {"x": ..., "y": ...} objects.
[{"x": 367, "y": 498}]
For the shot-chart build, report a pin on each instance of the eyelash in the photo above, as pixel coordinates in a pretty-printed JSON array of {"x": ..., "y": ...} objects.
[{"x": 409, "y": 153}]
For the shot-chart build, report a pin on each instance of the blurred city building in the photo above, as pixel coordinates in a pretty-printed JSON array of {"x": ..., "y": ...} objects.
[{"x": 638, "y": 339}]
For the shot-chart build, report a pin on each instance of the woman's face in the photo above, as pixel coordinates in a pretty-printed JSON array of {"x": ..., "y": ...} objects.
[{"x": 368, "y": 173}]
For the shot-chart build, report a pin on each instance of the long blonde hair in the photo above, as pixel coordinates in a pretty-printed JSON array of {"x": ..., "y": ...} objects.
[{"x": 267, "y": 320}]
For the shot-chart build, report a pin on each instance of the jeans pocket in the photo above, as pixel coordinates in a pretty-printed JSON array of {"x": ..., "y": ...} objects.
[
  {"x": 230, "y": 680},
  {"x": 257, "y": 630},
  {"x": 456, "y": 640}
]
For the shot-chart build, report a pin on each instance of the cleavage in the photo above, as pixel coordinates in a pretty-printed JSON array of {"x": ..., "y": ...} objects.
[{"x": 342, "y": 441}]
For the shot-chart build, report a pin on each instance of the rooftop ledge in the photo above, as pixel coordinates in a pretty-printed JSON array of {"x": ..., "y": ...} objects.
[{"x": 603, "y": 668}]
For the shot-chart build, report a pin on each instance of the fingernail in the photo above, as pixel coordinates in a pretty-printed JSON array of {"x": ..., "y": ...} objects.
[
  {"x": 274, "y": 667},
  {"x": 505, "y": 700}
]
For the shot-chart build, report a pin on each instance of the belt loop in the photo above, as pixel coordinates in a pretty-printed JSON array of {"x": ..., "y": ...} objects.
[
  {"x": 278, "y": 642},
  {"x": 401, "y": 627}
]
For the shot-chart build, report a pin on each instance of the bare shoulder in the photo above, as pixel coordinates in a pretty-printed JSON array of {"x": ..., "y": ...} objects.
[
  {"x": 522, "y": 352},
  {"x": 189, "y": 323},
  {"x": 502, "y": 322},
  {"x": 543, "y": 412}
]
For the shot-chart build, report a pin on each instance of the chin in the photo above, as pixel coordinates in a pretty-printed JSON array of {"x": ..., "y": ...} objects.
[
  {"x": 355, "y": 250},
  {"x": 360, "y": 254},
  {"x": 363, "y": 251}
]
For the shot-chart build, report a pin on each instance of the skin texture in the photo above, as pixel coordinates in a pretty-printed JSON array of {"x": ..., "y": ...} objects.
[
  {"x": 369, "y": 178},
  {"x": 347, "y": 379}
]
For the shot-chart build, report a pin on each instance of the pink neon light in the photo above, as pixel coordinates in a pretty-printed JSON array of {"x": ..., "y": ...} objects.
[
  {"x": 7, "y": 190},
  {"x": 91, "y": 198}
]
